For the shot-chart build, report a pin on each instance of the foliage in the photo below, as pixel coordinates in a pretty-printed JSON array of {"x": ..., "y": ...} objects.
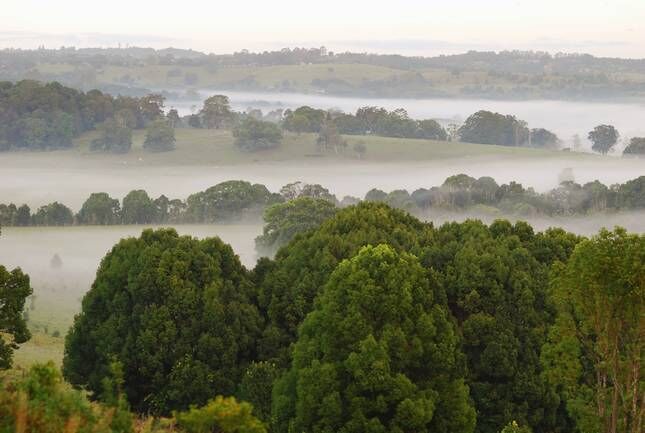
[
  {"x": 596, "y": 346},
  {"x": 496, "y": 279},
  {"x": 175, "y": 312},
  {"x": 42, "y": 403},
  {"x": 603, "y": 138},
  {"x": 486, "y": 127},
  {"x": 222, "y": 415},
  {"x": 348, "y": 372},
  {"x": 636, "y": 146},
  {"x": 160, "y": 137},
  {"x": 40, "y": 116},
  {"x": 257, "y": 385},
  {"x": 113, "y": 137},
  {"x": 53, "y": 214},
  {"x": 100, "y": 209},
  {"x": 283, "y": 221},
  {"x": 304, "y": 119},
  {"x": 138, "y": 208},
  {"x": 541, "y": 137},
  {"x": 14, "y": 290},
  {"x": 216, "y": 111},
  {"x": 253, "y": 135},
  {"x": 233, "y": 199},
  {"x": 514, "y": 427},
  {"x": 289, "y": 283}
]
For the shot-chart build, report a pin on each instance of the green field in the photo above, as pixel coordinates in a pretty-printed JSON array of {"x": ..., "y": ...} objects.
[{"x": 204, "y": 146}]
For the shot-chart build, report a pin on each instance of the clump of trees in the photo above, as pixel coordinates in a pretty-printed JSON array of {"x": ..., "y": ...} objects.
[
  {"x": 252, "y": 135},
  {"x": 464, "y": 327},
  {"x": 39, "y": 116},
  {"x": 160, "y": 137},
  {"x": 113, "y": 138},
  {"x": 486, "y": 127}
]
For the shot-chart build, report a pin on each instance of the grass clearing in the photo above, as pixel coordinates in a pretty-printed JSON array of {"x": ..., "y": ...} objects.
[{"x": 216, "y": 147}]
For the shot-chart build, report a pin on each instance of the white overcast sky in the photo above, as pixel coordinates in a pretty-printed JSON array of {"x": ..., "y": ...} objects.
[{"x": 607, "y": 28}]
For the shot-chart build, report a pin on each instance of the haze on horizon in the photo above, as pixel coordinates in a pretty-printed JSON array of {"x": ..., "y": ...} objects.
[{"x": 411, "y": 27}]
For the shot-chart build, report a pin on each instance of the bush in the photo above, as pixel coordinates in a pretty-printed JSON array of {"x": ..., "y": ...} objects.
[
  {"x": 221, "y": 415},
  {"x": 252, "y": 135}
]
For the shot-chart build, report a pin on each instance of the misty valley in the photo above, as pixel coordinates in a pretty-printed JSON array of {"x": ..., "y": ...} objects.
[{"x": 311, "y": 240}]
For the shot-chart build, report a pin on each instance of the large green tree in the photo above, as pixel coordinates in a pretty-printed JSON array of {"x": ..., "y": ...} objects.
[
  {"x": 378, "y": 354},
  {"x": 289, "y": 284},
  {"x": 175, "y": 312},
  {"x": 596, "y": 347}
]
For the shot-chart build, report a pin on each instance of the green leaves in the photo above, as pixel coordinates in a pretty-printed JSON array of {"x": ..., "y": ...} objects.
[
  {"x": 361, "y": 362},
  {"x": 14, "y": 290},
  {"x": 175, "y": 312}
]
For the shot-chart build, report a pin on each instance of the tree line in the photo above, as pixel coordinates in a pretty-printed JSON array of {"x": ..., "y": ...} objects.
[
  {"x": 505, "y": 74},
  {"x": 370, "y": 321},
  {"x": 234, "y": 200},
  {"x": 38, "y": 116}
]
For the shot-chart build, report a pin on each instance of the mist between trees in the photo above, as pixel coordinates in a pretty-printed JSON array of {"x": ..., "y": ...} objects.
[{"x": 237, "y": 200}]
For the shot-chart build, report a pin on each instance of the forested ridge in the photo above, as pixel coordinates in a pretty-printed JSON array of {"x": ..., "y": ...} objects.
[{"x": 504, "y": 74}]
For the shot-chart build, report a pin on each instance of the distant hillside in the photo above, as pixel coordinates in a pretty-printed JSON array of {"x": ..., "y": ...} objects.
[{"x": 503, "y": 75}]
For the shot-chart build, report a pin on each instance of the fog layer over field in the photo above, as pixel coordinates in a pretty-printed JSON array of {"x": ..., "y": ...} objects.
[
  {"x": 38, "y": 179},
  {"x": 563, "y": 117},
  {"x": 58, "y": 290}
]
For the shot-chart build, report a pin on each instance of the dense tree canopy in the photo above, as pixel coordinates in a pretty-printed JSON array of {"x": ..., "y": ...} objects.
[
  {"x": 289, "y": 284},
  {"x": 40, "y": 116},
  {"x": 175, "y": 312},
  {"x": 349, "y": 370}
]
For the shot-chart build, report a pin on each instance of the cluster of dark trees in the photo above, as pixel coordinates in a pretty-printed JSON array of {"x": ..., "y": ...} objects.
[
  {"x": 38, "y": 116},
  {"x": 375, "y": 321},
  {"x": 234, "y": 200}
]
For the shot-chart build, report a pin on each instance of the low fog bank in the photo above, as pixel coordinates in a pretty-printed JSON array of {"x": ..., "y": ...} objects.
[
  {"x": 38, "y": 179},
  {"x": 587, "y": 225},
  {"x": 60, "y": 284},
  {"x": 565, "y": 118}
]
